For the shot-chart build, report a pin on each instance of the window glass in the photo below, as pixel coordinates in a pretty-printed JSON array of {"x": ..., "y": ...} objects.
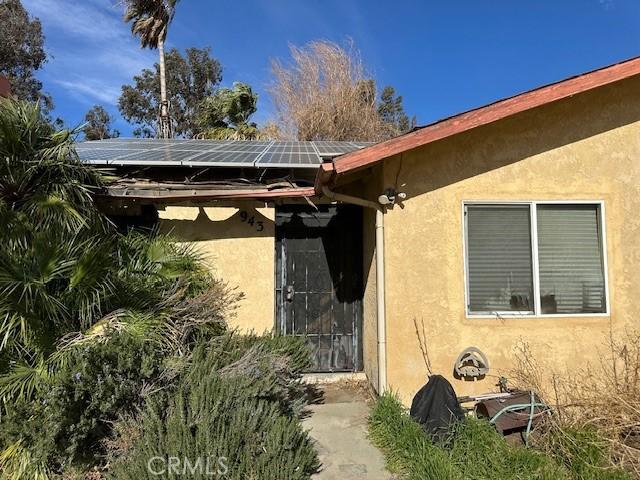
[
  {"x": 499, "y": 259},
  {"x": 570, "y": 259}
]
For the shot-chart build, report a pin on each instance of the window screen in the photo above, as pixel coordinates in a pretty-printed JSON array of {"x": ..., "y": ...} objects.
[
  {"x": 499, "y": 258},
  {"x": 570, "y": 259}
]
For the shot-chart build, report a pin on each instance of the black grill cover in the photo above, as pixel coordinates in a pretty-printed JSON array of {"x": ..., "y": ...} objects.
[{"x": 436, "y": 407}]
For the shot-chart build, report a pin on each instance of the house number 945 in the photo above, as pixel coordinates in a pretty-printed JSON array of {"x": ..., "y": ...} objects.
[{"x": 251, "y": 220}]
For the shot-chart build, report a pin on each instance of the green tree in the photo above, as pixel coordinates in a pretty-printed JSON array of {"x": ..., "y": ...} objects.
[
  {"x": 22, "y": 52},
  {"x": 98, "y": 124},
  {"x": 226, "y": 113},
  {"x": 193, "y": 77},
  {"x": 150, "y": 21},
  {"x": 391, "y": 111},
  {"x": 64, "y": 268}
]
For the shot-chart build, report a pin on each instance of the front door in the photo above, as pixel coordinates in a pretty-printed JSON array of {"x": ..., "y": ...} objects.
[{"x": 319, "y": 282}]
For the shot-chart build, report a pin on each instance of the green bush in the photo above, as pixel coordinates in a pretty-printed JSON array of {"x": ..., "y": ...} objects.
[
  {"x": 238, "y": 403},
  {"x": 67, "y": 422},
  {"x": 274, "y": 364}
]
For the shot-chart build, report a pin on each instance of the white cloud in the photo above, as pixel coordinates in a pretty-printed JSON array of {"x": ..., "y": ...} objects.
[
  {"x": 92, "y": 50},
  {"x": 90, "y": 88},
  {"x": 85, "y": 20},
  {"x": 607, "y": 4}
]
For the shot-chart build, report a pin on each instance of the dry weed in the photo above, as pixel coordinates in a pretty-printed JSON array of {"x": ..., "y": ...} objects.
[
  {"x": 421, "y": 334},
  {"x": 326, "y": 94},
  {"x": 604, "y": 397}
]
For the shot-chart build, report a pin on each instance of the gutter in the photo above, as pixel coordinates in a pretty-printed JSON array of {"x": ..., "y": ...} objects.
[{"x": 380, "y": 284}]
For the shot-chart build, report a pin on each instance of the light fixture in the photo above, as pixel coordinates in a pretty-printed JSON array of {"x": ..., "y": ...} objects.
[{"x": 390, "y": 196}]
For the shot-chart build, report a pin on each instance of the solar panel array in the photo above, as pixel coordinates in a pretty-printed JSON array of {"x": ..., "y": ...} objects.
[{"x": 212, "y": 153}]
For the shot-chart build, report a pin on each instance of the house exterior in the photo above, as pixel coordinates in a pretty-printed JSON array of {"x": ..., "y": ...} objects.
[{"x": 513, "y": 223}]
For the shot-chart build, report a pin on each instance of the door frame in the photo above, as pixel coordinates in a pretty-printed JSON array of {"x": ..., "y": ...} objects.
[{"x": 280, "y": 265}]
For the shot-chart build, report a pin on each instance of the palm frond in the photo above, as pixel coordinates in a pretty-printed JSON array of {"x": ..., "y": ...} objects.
[
  {"x": 17, "y": 463},
  {"x": 53, "y": 209},
  {"x": 23, "y": 380},
  {"x": 150, "y": 19}
]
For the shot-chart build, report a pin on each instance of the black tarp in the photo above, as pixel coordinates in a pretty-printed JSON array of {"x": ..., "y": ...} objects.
[{"x": 436, "y": 407}]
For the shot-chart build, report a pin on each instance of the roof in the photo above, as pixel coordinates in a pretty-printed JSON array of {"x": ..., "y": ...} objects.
[
  {"x": 212, "y": 153},
  {"x": 475, "y": 118}
]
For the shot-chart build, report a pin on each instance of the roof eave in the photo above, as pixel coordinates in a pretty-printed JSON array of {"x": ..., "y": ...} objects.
[
  {"x": 475, "y": 118},
  {"x": 206, "y": 195}
]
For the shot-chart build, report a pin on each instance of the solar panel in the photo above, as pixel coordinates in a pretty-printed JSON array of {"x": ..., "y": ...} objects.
[
  {"x": 334, "y": 149},
  {"x": 289, "y": 155},
  {"x": 223, "y": 159},
  {"x": 289, "y": 160},
  {"x": 219, "y": 153},
  {"x": 293, "y": 147},
  {"x": 245, "y": 147},
  {"x": 111, "y": 140},
  {"x": 164, "y": 156},
  {"x": 363, "y": 144},
  {"x": 133, "y": 146},
  {"x": 102, "y": 156}
]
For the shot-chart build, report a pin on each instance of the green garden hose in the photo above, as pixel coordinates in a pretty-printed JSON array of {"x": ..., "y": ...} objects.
[{"x": 521, "y": 406}]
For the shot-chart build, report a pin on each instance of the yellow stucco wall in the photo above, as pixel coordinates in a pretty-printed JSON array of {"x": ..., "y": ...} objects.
[
  {"x": 238, "y": 245},
  {"x": 583, "y": 148},
  {"x": 369, "y": 187},
  {"x": 369, "y": 332}
]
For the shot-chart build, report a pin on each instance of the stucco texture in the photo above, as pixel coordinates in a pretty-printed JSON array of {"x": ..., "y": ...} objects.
[
  {"x": 237, "y": 243},
  {"x": 369, "y": 187},
  {"x": 583, "y": 148}
]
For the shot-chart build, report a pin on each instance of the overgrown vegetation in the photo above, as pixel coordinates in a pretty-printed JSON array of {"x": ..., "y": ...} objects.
[
  {"x": 97, "y": 326},
  {"x": 66, "y": 274},
  {"x": 475, "y": 451},
  {"x": 70, "y": 417},
  {"x": 603, "y": 399},
  {"x": 325, "y": 93},
  {"x": 238, "y": 404}
]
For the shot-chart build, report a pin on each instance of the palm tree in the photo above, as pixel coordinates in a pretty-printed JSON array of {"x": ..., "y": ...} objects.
[
  {"x": 150, "y": 21},
  {"x": 69, "y": 279},
  {"x": 225, "y": 114},
  {"x": 64, "y": 268}
]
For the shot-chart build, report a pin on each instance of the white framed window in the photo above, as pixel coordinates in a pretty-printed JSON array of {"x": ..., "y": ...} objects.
[{"x": 535, "y": 259}]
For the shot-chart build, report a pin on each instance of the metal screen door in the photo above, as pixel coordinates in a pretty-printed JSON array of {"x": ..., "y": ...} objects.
[{"x": 319, "y": 282}]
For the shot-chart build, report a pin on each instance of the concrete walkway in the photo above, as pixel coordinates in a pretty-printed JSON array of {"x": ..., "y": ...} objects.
[{"x": 339, "y": 428}]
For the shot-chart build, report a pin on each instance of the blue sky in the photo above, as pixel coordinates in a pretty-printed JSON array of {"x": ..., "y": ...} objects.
[{"x": 443, "y": 57}]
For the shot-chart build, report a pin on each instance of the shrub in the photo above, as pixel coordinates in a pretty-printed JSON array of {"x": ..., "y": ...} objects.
[
  {"x": 66, "y": 424},
  {"x": 64, "y": 267},
  {"x": 238, "y": 402},
  {"x": 598, "y": 407},
  {"x": 273, "y": 364}
]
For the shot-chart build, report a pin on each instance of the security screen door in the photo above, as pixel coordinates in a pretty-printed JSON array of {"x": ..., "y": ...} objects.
[{"x": 319, "y": 282}]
